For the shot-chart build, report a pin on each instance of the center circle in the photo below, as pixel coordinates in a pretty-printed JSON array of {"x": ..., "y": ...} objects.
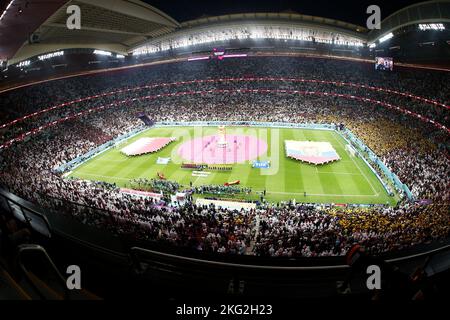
[{"x": 208, "y": 150}]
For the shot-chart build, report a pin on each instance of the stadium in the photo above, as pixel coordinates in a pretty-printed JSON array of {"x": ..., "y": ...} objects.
[{"x": 261, "y": 154}]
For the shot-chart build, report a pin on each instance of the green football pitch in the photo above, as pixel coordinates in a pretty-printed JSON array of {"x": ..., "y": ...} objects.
[{"x": 348, "y": 180}]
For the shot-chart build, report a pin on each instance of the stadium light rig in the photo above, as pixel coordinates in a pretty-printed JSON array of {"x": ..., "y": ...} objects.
[
  {"x": 386, "y": 37},
  {"x": 431, "y": 26},
  {"x": 102, "y": 53},
  {"x": 24, "y": 63},
  {"x": 51, "y": 55}
]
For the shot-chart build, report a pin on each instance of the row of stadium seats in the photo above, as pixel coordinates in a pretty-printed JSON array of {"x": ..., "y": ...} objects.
[
  {"x": 26, "y": 270},
  {"x": 415, "y": 150}
]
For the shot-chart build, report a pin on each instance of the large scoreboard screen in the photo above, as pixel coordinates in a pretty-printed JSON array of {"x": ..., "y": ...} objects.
[
  {"x": 218, "y": 53},
  {"x": 384, "y": 63}
]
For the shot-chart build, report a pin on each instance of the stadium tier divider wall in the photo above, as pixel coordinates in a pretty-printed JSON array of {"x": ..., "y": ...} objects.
[{"x": 345, "y": 133}]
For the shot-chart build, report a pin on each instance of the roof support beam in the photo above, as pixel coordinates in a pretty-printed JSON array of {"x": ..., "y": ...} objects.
[
  {"x": 36, "y": 49},
  {"x": 136, "y": 9},
  {"x": 63, "y": 26}
]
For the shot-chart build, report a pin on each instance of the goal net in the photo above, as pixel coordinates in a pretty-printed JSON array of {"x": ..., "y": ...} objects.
[
  {"x": 120, "y": 144},
  {"x": 350, "y": 150}
]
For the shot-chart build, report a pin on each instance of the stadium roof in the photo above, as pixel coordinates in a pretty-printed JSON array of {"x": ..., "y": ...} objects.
[
  {"x": 19, "y": 18},
  {"x": 215, "y": 27},
  {"x": 290, "y": 16},
  {"x": 435, "y": 11},
  {"x": 33, "y": 27},
  {"x": 113, "y": 25}
]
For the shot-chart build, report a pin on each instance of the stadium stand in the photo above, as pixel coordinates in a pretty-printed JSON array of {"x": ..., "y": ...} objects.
[
  {"x": 401, "y": 116},
  {"x": 420, "y": 161}
]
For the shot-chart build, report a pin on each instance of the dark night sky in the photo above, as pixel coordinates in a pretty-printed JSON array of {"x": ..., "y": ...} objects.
[{"x": 353, "y": 11}]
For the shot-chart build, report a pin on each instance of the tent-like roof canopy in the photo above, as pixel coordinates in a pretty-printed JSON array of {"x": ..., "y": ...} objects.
[{"x": 113, "y": 25}]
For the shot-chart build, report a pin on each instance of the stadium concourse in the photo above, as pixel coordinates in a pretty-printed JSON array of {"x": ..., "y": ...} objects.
[{"x": 402, "y": 117}]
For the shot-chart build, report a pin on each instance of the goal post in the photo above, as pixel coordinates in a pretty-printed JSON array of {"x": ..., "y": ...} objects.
[
  {"x": 350, "y": 150},
  {"x": 119, "y": 144}
]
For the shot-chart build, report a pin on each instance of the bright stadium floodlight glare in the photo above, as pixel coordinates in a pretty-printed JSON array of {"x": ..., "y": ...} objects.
[
  {"x": 24, "y": 63},
  {"x": 51, "y": 55},
  {"x": 245, "y": 32},
  {"x": 120, "y": 56},
  {"x": 102, "y": 53},
  {"x": 372, "y": 45},
  {"x": 386, "y": 37},
  {"x": 431, "y": 26}
]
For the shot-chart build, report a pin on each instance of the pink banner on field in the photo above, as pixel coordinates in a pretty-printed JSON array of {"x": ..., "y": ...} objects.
[
  {"x": 207, "y": 149},
  {"x": 146, "y": 145}
]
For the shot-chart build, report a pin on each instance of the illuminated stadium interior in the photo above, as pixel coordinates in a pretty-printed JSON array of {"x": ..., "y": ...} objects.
[{"x": 255, "y": 150}]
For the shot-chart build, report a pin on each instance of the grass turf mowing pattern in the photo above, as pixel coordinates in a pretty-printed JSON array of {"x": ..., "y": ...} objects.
[{"x": 348, "y": 180}]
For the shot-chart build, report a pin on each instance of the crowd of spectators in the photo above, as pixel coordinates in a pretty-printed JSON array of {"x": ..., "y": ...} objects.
[{"x": 417, "y": 152}]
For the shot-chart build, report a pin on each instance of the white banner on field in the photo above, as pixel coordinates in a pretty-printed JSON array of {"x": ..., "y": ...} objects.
[{"x": 163, "y": 160}]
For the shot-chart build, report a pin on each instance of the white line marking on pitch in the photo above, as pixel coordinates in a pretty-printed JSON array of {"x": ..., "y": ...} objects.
[
  {"x": 102, "y": 176},
  {"x": 373, "y": 189},
  {"x": 323, "y": 194},
  {"x": 342, "y": 173}
]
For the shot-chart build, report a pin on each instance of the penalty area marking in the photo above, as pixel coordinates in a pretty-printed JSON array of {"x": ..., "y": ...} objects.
[
  {"x": 332, "y": 172},
  {"x": 341, "y": 173},
  {"x": 111, "y": 161},
  {"x": 102, "y": 176},
  {"x": 365, "y": 177}
]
